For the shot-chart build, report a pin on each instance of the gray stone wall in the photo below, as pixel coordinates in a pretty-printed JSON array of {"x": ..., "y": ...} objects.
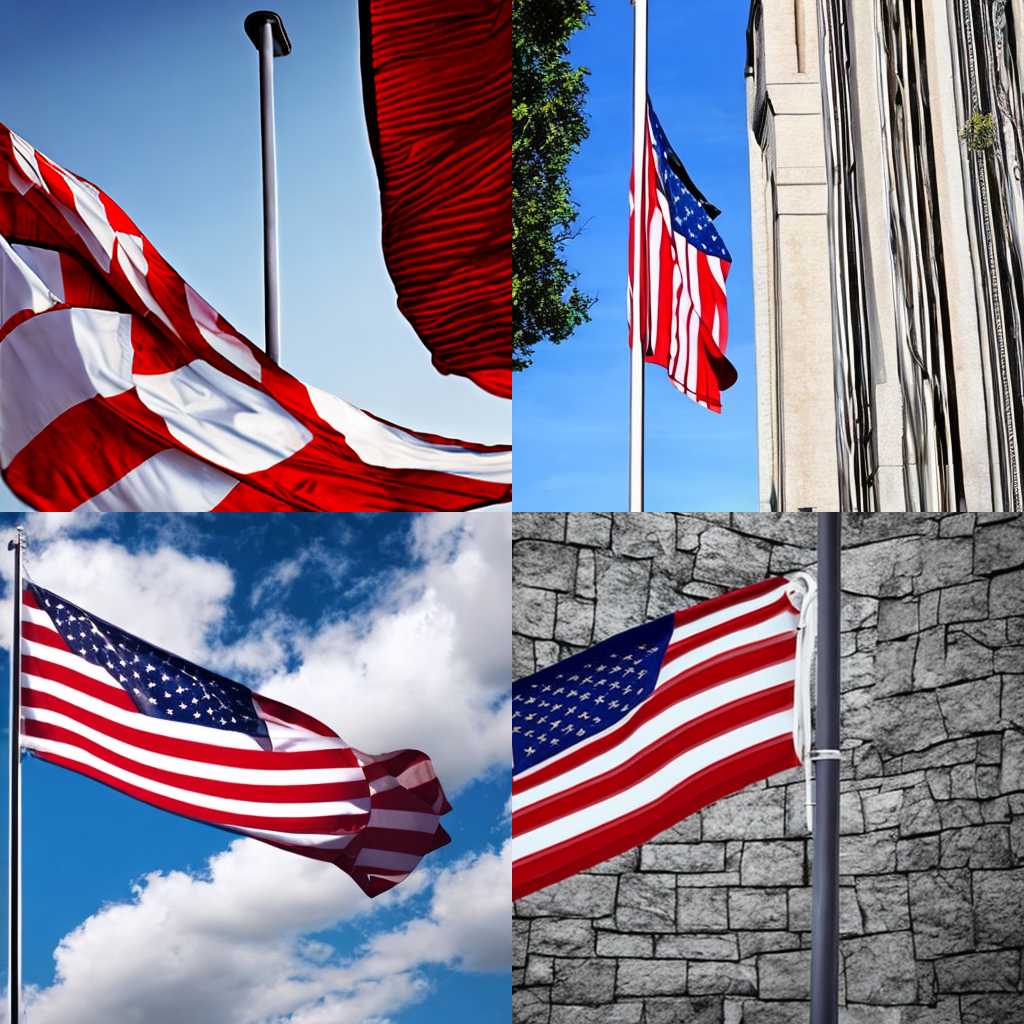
[{"x": 709, "y": 923}]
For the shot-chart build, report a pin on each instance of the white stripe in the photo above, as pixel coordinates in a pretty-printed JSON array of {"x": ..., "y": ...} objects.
[
  {"x": 311, "y": 839},
  {"x": 23, "y": 283},
  {"x": 133, "y": 262},
  {"x": 25, "y": 157},
  {"x": 171, "y": 480},
  {"x": 694, "y": 333},
  {"x": 387, "y": 860},
  {"x": 411, "y": 821},
  {"x": 715, "y": 265},
  {"x": 205, "y": 318},
  {"x": 783, "y": 622},
  {"x": 194, "y": 767},
  {"x": 78, "y": 353},
  {"x": 654, "y": 786},
  {"x": 378, "y": 444},
  {"x": 202, "y": 800},
  {"x": 730, "y": 640},
  {"x": 715, "y": 617},
  {"x": 88, "y": 218},
  {"x": 661, "y": 725}
]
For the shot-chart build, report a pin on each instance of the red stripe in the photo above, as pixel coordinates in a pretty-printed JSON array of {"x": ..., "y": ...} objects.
[
  {"x": 192, "y": 750},
  {"x": 43, "y": 635},
  {"x": 335, "y": 824},
  {"x": 716, "y": 781},
  {"x": 655, "y": 756},
  {"x": 728, "y": 665},
  {"x": 752, "y": 618},
  {"x": 287, "y": 792},
  {"x": 33, "y": 666},
  {"x": 728, "y": 600}
]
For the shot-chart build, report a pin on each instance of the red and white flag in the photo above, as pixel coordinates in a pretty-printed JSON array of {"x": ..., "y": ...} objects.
[
  {"x": 683, "y": 321},
  {"x": 437, "y": 84},
  {"x": 109, "y": 705},
  {"x": 122, "y": 389},
  {"x": 622, "y": 741}
]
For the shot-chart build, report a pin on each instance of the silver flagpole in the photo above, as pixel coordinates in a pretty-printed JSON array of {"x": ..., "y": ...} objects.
[
  {"x": 268, "y": 35},
  {"x": 825, "y": 879},
  {"x": 14, "y": 798},
  {"x": 636, "y": 363}
]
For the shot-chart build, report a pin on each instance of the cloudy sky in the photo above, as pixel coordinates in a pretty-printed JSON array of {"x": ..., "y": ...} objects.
[
  {"x": 391, "y": 628},
  {"x": 162, "y": 113}
]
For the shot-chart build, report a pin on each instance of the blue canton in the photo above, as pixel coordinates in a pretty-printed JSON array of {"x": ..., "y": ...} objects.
[
  {"x": 689, "y": 218},
  {"x": 564, "y": 704},
  {"x": 160, "y": 684}
]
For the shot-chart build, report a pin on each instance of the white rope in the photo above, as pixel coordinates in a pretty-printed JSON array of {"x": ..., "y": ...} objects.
[{"x": 804, "y": 586}]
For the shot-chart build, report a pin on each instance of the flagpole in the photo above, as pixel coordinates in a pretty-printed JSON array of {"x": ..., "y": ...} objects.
[
  {"x": 825, "y": 878},
  {"x": 268, "y": 35},
  {"x": 636, "y": 363},
  {"x": 14, "y": 797}
]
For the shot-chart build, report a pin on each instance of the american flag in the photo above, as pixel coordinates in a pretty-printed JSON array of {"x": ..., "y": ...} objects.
[
  {"x": 615, "y": 744},
  {"x": 102, "y": 702},
  {"x": 684, "y": 316},
  {"x": 437, "y": 84},
  {"x": 122, "y": 389}
]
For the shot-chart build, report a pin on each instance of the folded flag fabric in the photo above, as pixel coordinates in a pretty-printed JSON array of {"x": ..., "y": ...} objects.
[
  {"x": 622, "y": 741},
  {"x": 109, "y": 705},
  {"x": 683, "y": 321},
  {"x": 121, "y": 389},
  {"x": 437, "y": 87}
]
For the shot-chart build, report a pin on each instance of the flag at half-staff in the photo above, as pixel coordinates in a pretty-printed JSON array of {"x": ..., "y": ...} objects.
[
  {"x": 617, "y": 743},
  {"x": 683, "y": 321},
  {"x": 122, "y": 389},
  {"x": 102, "y": 702}
]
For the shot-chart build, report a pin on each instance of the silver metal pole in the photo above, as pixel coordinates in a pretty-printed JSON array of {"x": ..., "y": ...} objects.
[
  {"x": 636, "y": 363},
  {"x": 825, "y": 879},
  {"x": 14, "y": 798},
  {"x": 266, "y": 30}
]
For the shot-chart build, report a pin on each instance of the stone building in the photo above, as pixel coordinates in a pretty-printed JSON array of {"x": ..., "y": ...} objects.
[
  {"x": 888, "y": 252},
  {"x": 709, "y": 923}
]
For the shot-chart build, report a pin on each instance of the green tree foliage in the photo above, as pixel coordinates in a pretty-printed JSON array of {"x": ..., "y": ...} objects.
[{"x": 548, "y": 126}]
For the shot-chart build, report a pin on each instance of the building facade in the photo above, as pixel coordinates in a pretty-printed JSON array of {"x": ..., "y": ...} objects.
[
  {"x": 888, "y": 252},
  {"x": 709, "y": 922}
]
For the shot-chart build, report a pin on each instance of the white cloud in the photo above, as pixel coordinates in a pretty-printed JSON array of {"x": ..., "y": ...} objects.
[{"x": 226, "y": 947}]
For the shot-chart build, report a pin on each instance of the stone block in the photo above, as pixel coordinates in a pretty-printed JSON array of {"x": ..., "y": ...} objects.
[
  {"x": 944, "y": 563},
  {"x": 881, "y": 969},
  {"x": 884, "y": 903},
  {"x": 1006, "y": 595},
  {"x": 882, "y": 810},
  {"x": 967, "y": 602},
  {"x": 722, "y": 977},
  {"x": 1011, "y": 777},
  {"x": 621, "y": 594},
  {"x": 533, "y": 612},
  {"x": 985, "y": 846},
  {"x": 784, "y": 975},
  {"x": 897, "y": 618},
  {"x": 575, "y": 622},
  {"x": 702, "y": 910},
  {"x": 942, "y": 912},
  {"x": 585, "y": 573},
  {"x": 576, "y": 896},
  {"x": 896, "y": 725},
  {"x": 646, "y": 903},
  {"x": 651, "y": 977},
  {"x": 992, "y": 1009},
  {"x": 562, "y": 937},
  {"x": 697, "y": 947},
  {"x": 969, "y": 708},
  {"x": 537, "y": 563},
  {"x": 629, "y": 860},
  {"x": 685, "y": 858},
  {"x": 776, "y": 1013},
  {"x": 612, "y": 1013},
  {"x": 730, "y": 559},
  {"x": 870, "y": 854},
  {"x": 588, "y": 982},
  {"x": 589, "y": 529},
  {"x": 917, "y": 854},
  {"x": 774, "y": 863},
  {"x": 643, "y": 535},
  {"x": 999, "y": 546},
  {"x": 683, "y": 1011},
  {"x": 523, "y": 663},
  {"x": 999, "y": 907},
  {"x": 540, "y": 970},
  {"x": 616, "y": 944},
  {"x": 978, "y": 972},
  {"x": 1012, "y": 703},
  {"x": 538, "y": 526},
  {"x": 959, "y": 525},
  {"x": 757, "y": 908},
  {"x": 752, "y": 943},
  {"x": 531, "y": 1006}
]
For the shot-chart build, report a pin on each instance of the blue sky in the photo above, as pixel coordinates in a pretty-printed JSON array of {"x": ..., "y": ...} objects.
[
  {"x": 382, "y": 625},
  {"x": 571, "y": 406},
  {"x": 162, "y": 112}
]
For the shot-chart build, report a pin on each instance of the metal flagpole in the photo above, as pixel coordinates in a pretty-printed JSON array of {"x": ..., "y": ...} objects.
[
  {"x": 825, "y": 879},
  {"x": 14, "y": 797},
  {"x": 268, "y": 35},
  {"x": 636, "y": 363}
]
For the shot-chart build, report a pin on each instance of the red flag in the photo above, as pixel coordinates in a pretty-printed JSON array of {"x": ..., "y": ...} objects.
[{"x": 437, "y": 84}]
